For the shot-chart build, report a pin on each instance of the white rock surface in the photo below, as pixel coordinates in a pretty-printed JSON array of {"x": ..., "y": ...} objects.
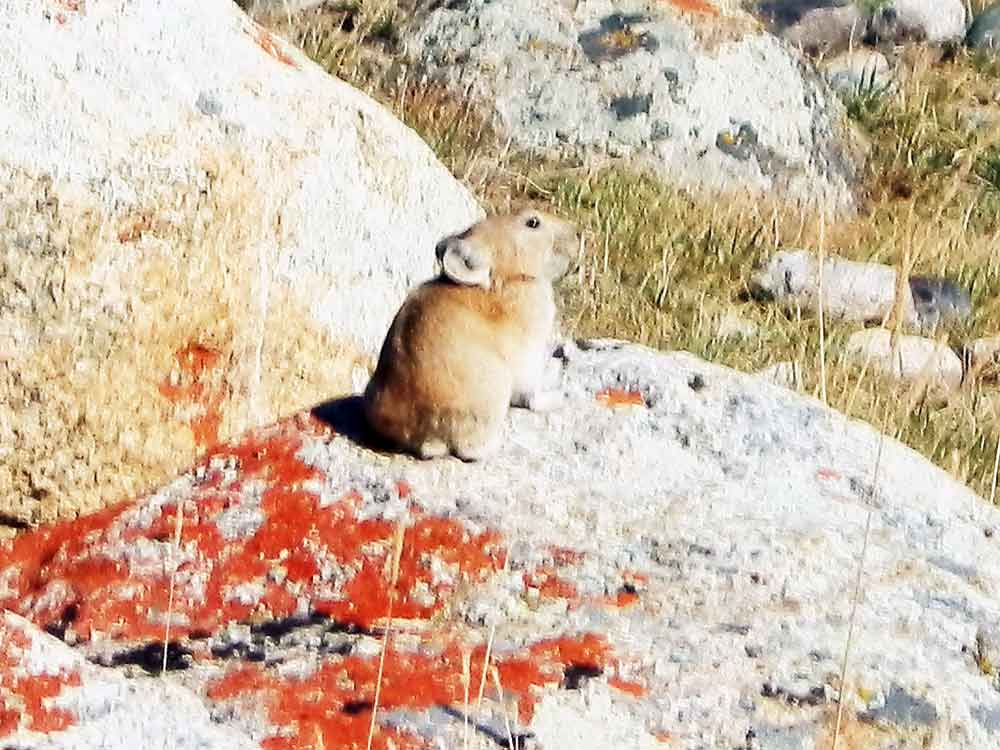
[
  {"x": 266, "y": 7},
  {"x": 351, "y": 201},
  {"x": 930, "y": 20},
  {"x": 858, "y": 291},
  {"x": 173, "y": 174},
  {"x": 745, "y": 508},
  {"x": 859, "y": 72},
  {"x": 707, "y": 100},
  {"x": 851, "y": 290},
  {"x": 918, "y": 359},
  {"x": 109, "y": 710}
]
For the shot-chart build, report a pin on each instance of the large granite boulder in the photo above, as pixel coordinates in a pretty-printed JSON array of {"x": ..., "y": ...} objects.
[
  {"x": 669, "y": 561},
  {"x": 704, "y": 98},
  {"x": 197, "y": 226}
]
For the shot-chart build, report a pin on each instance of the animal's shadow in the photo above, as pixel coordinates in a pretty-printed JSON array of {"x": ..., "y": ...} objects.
[{"x": 346, "y": 416}]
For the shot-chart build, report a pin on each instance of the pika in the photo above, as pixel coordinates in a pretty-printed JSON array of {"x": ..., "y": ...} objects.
[{"x": 473, "y": 341}]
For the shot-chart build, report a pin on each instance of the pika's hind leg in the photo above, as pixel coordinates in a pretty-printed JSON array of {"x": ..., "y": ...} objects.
[
  {"x": 478, "y": 435},
  {"x": 432, "y": 448},
  {"x": 479, "y": 450}
]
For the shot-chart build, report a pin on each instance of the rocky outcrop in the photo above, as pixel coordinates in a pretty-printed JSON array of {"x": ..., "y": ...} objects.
[
  {"x": 668, "y": 560},
  {"x": 830, "y": 26},
  {"x": 198, "y": 226},
  {"x": 857, "y": 291},
  {"x": 919, "y": 20},
  {"x": 705, "y": 98},
  {"x": 984, "y": 33}
]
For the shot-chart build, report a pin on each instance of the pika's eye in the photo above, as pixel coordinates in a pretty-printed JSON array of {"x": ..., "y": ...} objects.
[{"x": 532, "y": 222}]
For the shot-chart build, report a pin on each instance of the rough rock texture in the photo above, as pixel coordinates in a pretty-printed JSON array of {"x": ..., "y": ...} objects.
[
  {"x": 858, "y": 72},
  {"x": 182, "y": 195},
  {"x": 917, "y": 360},
  {"x": 982, "y": 357},
  {"x": 984, "y": 33},
  {"x": 921, "y": 20},
  {"x": 277, "y": 6},
  {"x": 705, "y": 98},
  {"x": 857, "y": 291},
  {"x": 816, "y": 26},
  {"x": 669, "y": 561}
]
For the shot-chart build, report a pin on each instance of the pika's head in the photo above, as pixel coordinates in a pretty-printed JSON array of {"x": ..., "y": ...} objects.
[{"x": 527, "y": 245}]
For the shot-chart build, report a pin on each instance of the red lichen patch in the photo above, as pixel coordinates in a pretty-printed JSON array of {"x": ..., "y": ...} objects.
[
  {"x": 616, "y": 397},
  {"x": 78, "y": 574},
  {"x": 624, "y": 598},
  {"x": 825, "y": 473},
  {"x": 695, "y": 6},
  {"x": 266, "y": 41},
  {"x": 365, "y": 599},
  {"x": 26, "y": 699},
  {"x": 191, "y": 386},
  {"x": 549, "y": 585},
  {"x": 631, "y": 688},
  {"x": 635, "y": 578},
  {"x": 562, "y": 556},
  {"x": 332, "y": 707}
]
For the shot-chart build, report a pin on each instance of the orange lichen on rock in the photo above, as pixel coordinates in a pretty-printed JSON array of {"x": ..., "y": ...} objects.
[
  {"x": 695, "y": 6},
  {"x": 332, "y": 707},
  {"x": 134, "y": 229},
  {"x": 615, "y": 397},
  {"x": 266, "y": 41},
  {"x": 76, "y": 574},
  {"x": 26, "y": 698},
  {"x": 631, "y": 688},
  {"x": 549, "y": 585},
  {"x": 191, "y": 387},
  {"x": 624, "y": 598}
]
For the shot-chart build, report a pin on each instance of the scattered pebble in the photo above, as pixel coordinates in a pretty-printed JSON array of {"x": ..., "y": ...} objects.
[{"x": 917, "y": 359}]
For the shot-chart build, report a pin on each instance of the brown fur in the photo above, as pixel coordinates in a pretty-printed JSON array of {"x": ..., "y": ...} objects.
[{"x": 465, "y": 346}]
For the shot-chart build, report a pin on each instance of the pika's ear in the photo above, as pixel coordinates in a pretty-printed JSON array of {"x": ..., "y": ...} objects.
[{"x": 463, "y": 263}]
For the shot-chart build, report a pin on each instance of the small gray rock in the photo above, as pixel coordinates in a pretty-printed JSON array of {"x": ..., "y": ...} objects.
[
  {"x": 858, "y": 291},
  {"x": 852, "y": 291},
  {"x": 903, "y": 709},
  {"x": 984, "y": 34},
  {"x": 859, "y": 72},
  {"x": 917, "y": 359},
  {"x": 816, "y": 26},
  {"x": 919, "y": 20},
  {"x": 939, "y": 301}
]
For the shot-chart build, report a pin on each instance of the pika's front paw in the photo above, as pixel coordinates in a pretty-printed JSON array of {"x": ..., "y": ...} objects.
[{"x": 542, "y": 401}]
